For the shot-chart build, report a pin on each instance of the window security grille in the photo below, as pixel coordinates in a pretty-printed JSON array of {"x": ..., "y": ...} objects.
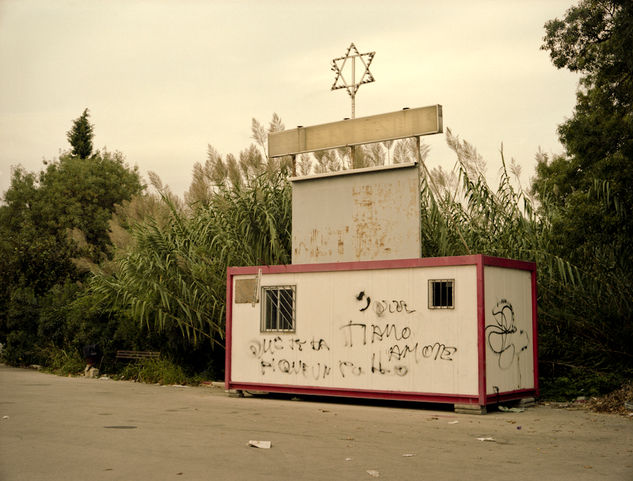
[
  {"x": 442, "y": 294},
  {"x": 278, "y": 308}
]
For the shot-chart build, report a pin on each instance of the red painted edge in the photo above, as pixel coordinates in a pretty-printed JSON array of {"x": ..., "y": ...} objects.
[
  {"x": 389, "y": 395},
  {"x": 481, "y": 332},
  {"x": 229, "y": 328},
  {"x": 535, "y": 331},
  {"x": 509, "y": 263},
  {"x": 387, "y": 264},
  {"x": 355, "y": 266},
  {"x": 357, "y": 393}
]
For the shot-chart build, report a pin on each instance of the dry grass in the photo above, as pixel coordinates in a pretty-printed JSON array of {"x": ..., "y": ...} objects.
[{"x": 615, "y": 402}]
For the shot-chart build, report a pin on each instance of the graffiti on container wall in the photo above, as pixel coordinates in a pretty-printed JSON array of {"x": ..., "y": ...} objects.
[
  {"x": 315, "y": 371},
  {"x": 505, "y": 340},
  {"x": 382, "y": 306},
  {"x": 375, "y": 333},
  {"x": 430, "y": 351},
  {"x": 259, "y": 347},
  {"x": 270, "y": 352},
  {"x": 392, "y": 342}
]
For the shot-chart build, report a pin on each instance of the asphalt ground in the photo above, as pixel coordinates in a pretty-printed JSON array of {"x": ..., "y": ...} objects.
[{"x": 74, "y": 428}]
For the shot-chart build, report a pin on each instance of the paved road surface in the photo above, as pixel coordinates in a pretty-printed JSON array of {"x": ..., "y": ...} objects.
[{"x": 67, "y": 429}]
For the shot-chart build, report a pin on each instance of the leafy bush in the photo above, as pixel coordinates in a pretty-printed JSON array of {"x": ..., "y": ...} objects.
[
  {"x": 161, "y": 371},
  {"x": 581, "y": 382},
  {"x": 60, "y": 361},
  {"x": 20, "y": 349}
]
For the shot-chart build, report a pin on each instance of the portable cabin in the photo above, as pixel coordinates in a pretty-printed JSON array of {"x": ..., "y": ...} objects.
[{"x": 358, "y": 313}]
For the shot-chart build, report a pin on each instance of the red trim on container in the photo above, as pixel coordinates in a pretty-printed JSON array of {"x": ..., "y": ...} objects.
[
  {"x": 358, "y": 266},
  {"x": 357, "y": 393},
  {"x": 481, "y": 331},
  {"x": 535, "y": 331},
  {"x": 509, "y": 263},
  {"x": 386, "y": 264},
  {"x": 229, "y": 328}
]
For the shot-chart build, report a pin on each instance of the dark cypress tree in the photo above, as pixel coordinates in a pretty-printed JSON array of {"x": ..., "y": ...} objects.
[{"x": 80, "y": 136}]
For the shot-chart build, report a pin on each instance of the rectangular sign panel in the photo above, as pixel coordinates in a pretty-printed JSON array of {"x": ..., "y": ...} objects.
[
  {"x": 364, "y": 130},
  {"x": 357, "y": 215}
]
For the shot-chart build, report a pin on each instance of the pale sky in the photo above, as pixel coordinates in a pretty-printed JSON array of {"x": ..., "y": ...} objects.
[{"x": 163, "y": 79}]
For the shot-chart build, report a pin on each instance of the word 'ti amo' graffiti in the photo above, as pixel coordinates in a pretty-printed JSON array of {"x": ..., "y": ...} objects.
[{"x": 404, "y": 347}]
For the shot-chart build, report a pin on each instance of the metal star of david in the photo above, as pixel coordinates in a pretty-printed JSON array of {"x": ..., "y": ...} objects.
[{"x": 338, "y": 64}]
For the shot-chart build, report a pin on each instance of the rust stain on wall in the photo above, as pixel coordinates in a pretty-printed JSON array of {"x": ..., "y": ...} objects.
[
  {"x": 371, "y": 226},
  {"x": 322, "y": 243}
]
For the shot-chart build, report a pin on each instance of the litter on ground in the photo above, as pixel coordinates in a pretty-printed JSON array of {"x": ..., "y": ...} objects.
[
  {"x": 504, "y": 409},
  {"x": 260, "y": 444}
]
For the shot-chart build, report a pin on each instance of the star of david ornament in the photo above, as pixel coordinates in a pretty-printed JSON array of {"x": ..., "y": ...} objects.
[{"x": 342, "y": 66}]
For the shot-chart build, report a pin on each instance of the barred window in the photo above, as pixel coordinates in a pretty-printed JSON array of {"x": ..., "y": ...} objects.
[
  {"x": 442, "y": 294},
  {"x": 278, "y": 308}
]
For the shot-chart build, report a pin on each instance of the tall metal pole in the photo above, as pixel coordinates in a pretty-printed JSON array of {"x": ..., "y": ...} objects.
[
  {"x": 352, "y": 150},
  {"x": 338, "y": 65},
  {"x": 354, "y": 89}
]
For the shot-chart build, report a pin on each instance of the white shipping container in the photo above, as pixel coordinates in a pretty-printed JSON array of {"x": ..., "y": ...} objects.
[{"x": 459, "y": 330}]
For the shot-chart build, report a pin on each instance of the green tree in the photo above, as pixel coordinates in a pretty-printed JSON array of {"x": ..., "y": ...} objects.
[
  {"x": 80, "y": 196},
  {"x": 585, "y": 194},
  {"x": 54, "y": 226},
  {"x": 590, "y": 185},
  {"x": 36, "y": 252},
  {"x": 80, "y": 136}
]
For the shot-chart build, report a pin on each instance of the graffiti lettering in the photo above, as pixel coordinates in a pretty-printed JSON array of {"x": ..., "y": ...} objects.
[
  {"x": 318, "y": 345},
  {"x": 347, "y": 330},
  {"x": 393, "y": 307},
  {"x": 267, "y": 364},
  {"x": 389, "y": 330},
  {"x": 260, "y": 347},
  {"x": 380, "y": 307},
  {"x": 294, "y": 367},
  {"x": 378, "y": 332},
  {"x": 346, "y": 367},
  {"x": 504, "y": 338},
  {"x": 360, "y": 297},
  {"x": 321, "y": 373},
  {"x": 398, "y": 353},
  {"x": 297, "y": 344},
  {"x": 270, "y": 346},
  {"x": 437, "y": 351},
  {"x": 299, "y": 367},
  {"x": 387, "y": 347},
  {"x": 399, "y": 370}
]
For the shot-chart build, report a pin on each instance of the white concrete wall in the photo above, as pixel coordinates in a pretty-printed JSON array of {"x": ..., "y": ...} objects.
[
  {"x": 509, "y": 342},
  {"x": 396, "y": 343}
]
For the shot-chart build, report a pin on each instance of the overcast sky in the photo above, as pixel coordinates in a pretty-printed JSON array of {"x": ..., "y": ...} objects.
[{"x": 163, "y": 79}]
